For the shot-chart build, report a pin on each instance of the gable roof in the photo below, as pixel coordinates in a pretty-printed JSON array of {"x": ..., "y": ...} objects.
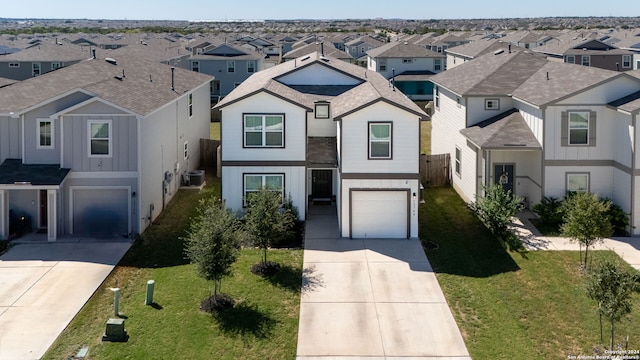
[
  {"x": 402, "y": 49},
  {"x": 329, "y": 50},
  {"x": 503, "y": 131},
  {"x": 145, "y": 87},
  {"x": 370, "y": 87}
]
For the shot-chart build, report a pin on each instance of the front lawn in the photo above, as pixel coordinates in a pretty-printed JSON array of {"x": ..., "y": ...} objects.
[
  {"x": 507, "y": 305},
  {"x": 262, "y": 325}
]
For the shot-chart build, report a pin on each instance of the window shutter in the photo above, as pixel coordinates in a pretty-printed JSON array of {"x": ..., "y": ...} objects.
[
  {"x": 592, "y": 128},
  {"x": 564, "y": 129}
]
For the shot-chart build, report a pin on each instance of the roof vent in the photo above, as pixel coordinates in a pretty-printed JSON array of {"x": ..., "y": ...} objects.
[
  {"x": 325, "y": 59},
  {"x": 498, "y": 52},
  {"x": 111, "y": 61},
  {"x": 305, "y": 58},
  {"x": 118, "y": 77}
]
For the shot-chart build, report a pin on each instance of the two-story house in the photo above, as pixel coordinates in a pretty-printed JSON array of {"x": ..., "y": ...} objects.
[
  {"x": 539, "y": 128},
  {"x": 40, "y": 59},
  {"x": 320, "y": 130},
  {"x": 358, "y": 48},
  {"x": 601, "y": 55},
  {"x": 411, "y": 67},
  {"x": 98, "y": 148},
  {"x": 229, "y": 64}
]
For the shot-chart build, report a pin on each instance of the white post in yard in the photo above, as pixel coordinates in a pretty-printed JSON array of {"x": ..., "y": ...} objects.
[
  {"x": 116, "y": 301},
  {"x": 149, "y": 298}
]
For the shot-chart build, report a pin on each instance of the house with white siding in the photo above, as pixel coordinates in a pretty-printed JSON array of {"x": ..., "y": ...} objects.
[
  {"x": 98, "y": 148},
  {"x": 323, "y": 131},
  {"x": 539, "y": 128}
]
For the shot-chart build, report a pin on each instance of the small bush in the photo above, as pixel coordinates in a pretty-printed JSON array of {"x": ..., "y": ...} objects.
[
  {"x": 550, "y": 212},
  {"x": 618, "y": 218}
]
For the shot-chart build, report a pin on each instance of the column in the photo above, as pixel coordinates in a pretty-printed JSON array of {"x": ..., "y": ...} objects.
[
  {"x": 52, "y": 215},
  {"x": 4, "y": 214}
]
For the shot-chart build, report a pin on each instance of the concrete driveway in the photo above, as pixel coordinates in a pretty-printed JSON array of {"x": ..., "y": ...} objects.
[
  {"x": 371, "y": 299},
  {"x": 44, "y": 285}
]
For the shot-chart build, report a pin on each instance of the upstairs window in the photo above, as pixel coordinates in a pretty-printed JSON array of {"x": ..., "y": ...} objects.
[
  {"x": 407, "y": 61},
  {"x": 45, "y": 134},
  {"x": 190, "y": 105},
  {"x": 251, "y": 67},
  {"x": 586, "y": 60},
  {"x": 626, "y": 61},
  {"x": 382, "y": 64},
  {"x": 579, "y": 128},
  {"x": 55, "y": 66},
  {"x": 195, "y": 66},
  {"x": 321, "y": 110},
  {"x": 14, "y": 64},
  {"x": 437, "y": 64},
  {"x": 570, "y": 59},
  {"x": 264, "y": 130},
  {"x": 492, "y": 104},
  {"x": 99, "y": 138},
  {"x": 35, "y": 69},
  {"x": 380, "y": 140},
  {"x": 231, "y": 66}
]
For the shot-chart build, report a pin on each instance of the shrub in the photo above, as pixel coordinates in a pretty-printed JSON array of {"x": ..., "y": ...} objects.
[
  {"x": 618, "y": 218},
  {"x": 550, "y": 211}
]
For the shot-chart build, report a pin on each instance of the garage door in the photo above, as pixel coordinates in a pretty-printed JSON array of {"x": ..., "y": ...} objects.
[
  {"x": 379, "y": 214},
  {"x": 100, "y": 212}
]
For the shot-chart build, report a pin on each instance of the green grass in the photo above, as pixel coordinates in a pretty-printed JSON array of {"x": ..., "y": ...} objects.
[
  {"x": 507, "y": 305},
  {"x": 262, "y": 325},
  {"x": 214, "y": 130},
  {"x": 425, "y": 137}
]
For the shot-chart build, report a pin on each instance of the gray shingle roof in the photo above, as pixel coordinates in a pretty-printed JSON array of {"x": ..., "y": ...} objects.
[
  {"x": 504, "y": 131},
  {"x": 630, "y": 103},
  {"x": 373, "y": 87},
  {"x": 46, "y": 51},
  {"x": 400, "y": 49},
  {"x": 134, "y": 92},
  {"x": 14, "y": 171}
]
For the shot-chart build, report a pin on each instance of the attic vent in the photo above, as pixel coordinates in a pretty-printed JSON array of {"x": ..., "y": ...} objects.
[
  {"x": 118, "y": 77},
  {"x": 305, "y": 58},
  {"x": 111, "y": 61},
  {"x": 325, "y": 59},
  {"x": 498, "y": 52}
]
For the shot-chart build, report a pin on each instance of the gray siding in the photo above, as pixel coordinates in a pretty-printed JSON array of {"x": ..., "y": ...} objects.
[
  {"x": 25, "y": 70},
  {"x": 10, "y": 139},
  {"x": 218, "y": 68}
]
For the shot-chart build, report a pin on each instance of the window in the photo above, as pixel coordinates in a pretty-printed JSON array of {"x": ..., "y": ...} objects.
[
  {"x": 322, "y": 110},
  {"x": 99, "y": 138},
  {"x": 35, "y": 69},
  {"x": 379, "y": 140},
  {"x": 195, "y": 66},
  {"x": 254, "y": 182},
  {"x": 458, "y": 161},
  {"x": 586, "y": 60},
  {"x": 492, "y": 104},
  {"x": 190, "y": 105},
  {"x": 407, "y": 61},
  {"x": 354, "y": 49},
  {"x": 14, "y": 65},
  {"x": 570, "y": 59},
  {"x": 579, "y": 128},
  {"x": 251, "y": 67},
  {"x": 186, "y": 150},
  {"x": 437, "y": 64},
  {"x": 362, "y": 49},
  {"x": 382, "y": 65},
  {"x": 231, "y": 66},
  {"x": 437, "y": 97},
  {"x": 264, "y": 130},
  {"x": 55, "y": 66},
  {"x": 578, "y": 182},
  {"x": 626, "y": 61},
  {"x": 45, "y": 134}
]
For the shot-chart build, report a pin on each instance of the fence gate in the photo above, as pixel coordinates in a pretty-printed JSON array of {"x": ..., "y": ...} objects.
[
  {"x": 209, "y": 153},
  {"x": 435, "y": 170}
]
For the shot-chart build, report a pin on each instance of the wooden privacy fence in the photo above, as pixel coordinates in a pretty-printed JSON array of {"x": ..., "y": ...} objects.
[
  {"x": 435, "y": 170},
  {"x": 209, "y": 153}
]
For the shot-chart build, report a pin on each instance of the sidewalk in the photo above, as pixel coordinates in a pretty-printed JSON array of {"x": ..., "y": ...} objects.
[
  {"x": 628, "y": 248},
  {"x": 371, "y": 299}
]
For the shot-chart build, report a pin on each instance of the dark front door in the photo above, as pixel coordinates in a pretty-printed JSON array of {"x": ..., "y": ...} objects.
[
  {"x": 321, "y": 185},
  {"x": 44, "y": 210},
  {"x": 504, "y": 176}
]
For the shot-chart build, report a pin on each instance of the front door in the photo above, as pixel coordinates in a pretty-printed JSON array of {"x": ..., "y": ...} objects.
[
  {"x": 44, "y": 213},
  {"x": 321, "y": 184},
  {"x": 503, "y": 175}
]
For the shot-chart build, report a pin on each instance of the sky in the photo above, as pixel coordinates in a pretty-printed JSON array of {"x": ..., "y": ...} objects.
[{"x": 325, "y": 9}]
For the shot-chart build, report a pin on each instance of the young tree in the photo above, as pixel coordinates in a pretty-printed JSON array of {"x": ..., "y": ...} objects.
[
  {"x": 496, "y": 208},
  {"x": 586, "y": 220},
  {"x": 266, "y": 221},
  {"x": 212, "y": 242},
  {"x": 611, "y": 286}
]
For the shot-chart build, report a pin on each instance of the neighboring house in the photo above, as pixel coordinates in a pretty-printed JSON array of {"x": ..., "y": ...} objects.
[
  {"x": 539, "y": 128},
  {"x": 410, "y": 65},
  {"x": 326, "y": 49},
  {"x": 359, "y": 47},
  {"x": 98, "y": 148},
  {"x": 598, "y": 54},
  {"x": 41, "y": 59},
  {"x": 440, "y": 44},
  {"x": 229, "y": 64},
  {"x": 460, "y": 54},
  {"x": 318, "y": 129}
]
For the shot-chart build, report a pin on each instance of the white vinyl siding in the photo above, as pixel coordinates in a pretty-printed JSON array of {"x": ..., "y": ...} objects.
[{"x": 264, "y": 130}]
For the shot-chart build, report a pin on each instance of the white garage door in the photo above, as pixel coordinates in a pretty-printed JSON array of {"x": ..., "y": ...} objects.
[
  {"x": 100, "y": 212},
  {"x": 379, "y": 214}
]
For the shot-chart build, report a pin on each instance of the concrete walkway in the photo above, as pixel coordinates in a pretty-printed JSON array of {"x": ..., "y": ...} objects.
[
  {"x": 44, "y": 285},
  {"x": 627, "y": 247},
  {"x": 371, "y": 299}
]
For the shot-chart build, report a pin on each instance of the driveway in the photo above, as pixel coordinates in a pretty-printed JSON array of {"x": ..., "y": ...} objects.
[
  {"x": 44, "y": 285},
  {"x": 371, "y": 299}
]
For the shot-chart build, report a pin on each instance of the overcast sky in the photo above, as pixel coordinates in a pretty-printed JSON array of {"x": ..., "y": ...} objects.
[{"x": 325, "y": 9}]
